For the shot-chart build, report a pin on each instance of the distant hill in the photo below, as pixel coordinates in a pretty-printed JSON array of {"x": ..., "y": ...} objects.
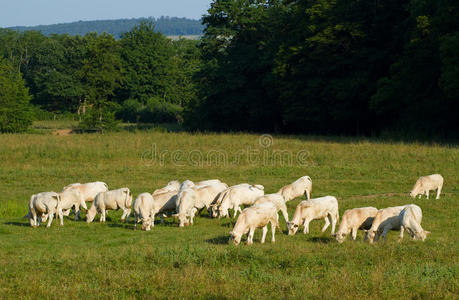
[{"x": 171, "y": 26}]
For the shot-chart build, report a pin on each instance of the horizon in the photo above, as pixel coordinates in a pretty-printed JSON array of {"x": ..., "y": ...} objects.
[{"x": 54, "y": 12}]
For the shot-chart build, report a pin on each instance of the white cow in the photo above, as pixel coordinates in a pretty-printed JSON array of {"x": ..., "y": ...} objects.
[
  {"x": 111, "y": 200},
  {"x": 277, "y": 200},
  {"x": 355, "y": 219},
  {"x": 301, "y": 186},
  {"x": 427, "y": 183},
  {"x": 385, "y": 218},
  {"x": 191, "y": 200},
  {"x": 88, "y": 190},
  {"x": 411, "y": 217},
  {"x": 255, "y": 217},
  {"x": 164, "y": 203},
  {"x": 170, "y": 187},
  {"x": 43, "y": 204},
  {"x": 318, "y": 208},
  {"x": 237, "y": 195},
  {"x": 144, "y": 211},
  {"x": 68, "y": 199}
]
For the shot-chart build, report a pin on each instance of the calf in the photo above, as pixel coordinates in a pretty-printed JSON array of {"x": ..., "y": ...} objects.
[
  {"x": 43, "y": 204},
  {"x": 354, "y": 219},
  {"x": 164, "y": 203},
  {"x": 301, "y": 186},
  {"x": 88, "y": 191},
  {"x": 111, "y": 200},
  {"x": 411, "y": 217},
  {"x": 385, "y": 219},
  {"x": 427, "y": 183},
  {"x": 255, "y": 217},
  {"x": 319, "y": 208}
]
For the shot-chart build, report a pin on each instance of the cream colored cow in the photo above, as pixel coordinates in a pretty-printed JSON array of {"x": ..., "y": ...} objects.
[
  {"x": 301, "y": 186},
  {"x": 144, "y": 211},
  {"x": 68, "y": 199},
  {"x": 355, "y": 219},
  {"x": 411, "y": 217},
  {"x": 111, "y": 200},
  {"x": 43, "y": 204},
  {"x": 277, "y": 200},
  {"x": 88, "y": 190},
  {"x": 385, "y": 218},
  {"x": 427, "y": 183},
  {"x": 318, "y": 208},
  {"x": 255, "y": 217},
  {"x": 237, "y": 195}
]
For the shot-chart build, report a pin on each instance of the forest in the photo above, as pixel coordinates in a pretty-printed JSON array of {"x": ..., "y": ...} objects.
[{"x": 329, "y": 67}]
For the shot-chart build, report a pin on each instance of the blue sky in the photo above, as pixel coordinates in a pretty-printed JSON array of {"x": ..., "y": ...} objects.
[{"x": 45, "y": 12}]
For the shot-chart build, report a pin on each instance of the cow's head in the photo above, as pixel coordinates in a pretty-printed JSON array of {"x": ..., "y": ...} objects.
[
  {"x": 340, "y": 236},
  {"x": 421, "y": 235},
  {"x": 292, "y": 228},
  {"x": 90, "y": 215},
  {"x": 370, "y": 235},
  {"x": 146, "y": 224},
  {"x": 235, "y": 237}
]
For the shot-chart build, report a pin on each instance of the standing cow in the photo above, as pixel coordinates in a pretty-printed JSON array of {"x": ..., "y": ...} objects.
[{"x": 111, "y": 200}]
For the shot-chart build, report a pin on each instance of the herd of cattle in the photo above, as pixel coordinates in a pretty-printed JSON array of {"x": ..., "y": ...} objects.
[{"x": 184, "y": 200}]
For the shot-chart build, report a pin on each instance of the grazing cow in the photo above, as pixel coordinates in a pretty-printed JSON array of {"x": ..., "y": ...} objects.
[
  {"x": 69, "y": 198},
  {"x": 144, "y": 211},
  {"x": 170, "y": 187},
  {"x": 277, "y": 200},
  {"x": 411, "y": 217},
  {"x": 41, "y": 204},
  {"x": 111, "y": 200},
  {"x": 385, "y": 218},
  {"x": 354, "y": 219},
  {"x": 163, "y": 203},
  {"x": 255, "y": 217},
  {"x": 191, "y": 200},
  {"x": 318, "y": 208},
  {"x": 427, "y": 183},
  {"x": 301, "y": 186},
  {"x": 237, "y": 195},
  {"x": 88, "y": 191}
]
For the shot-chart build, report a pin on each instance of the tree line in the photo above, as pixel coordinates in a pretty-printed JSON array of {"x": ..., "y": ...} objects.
[
  {"x": 295, "y": 66},
  {"x": 165, "y": 25}
]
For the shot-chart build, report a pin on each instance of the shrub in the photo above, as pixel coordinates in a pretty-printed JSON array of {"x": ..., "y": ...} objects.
[
  {"x": 102, "y": 119},
  {"x": 155, "y": 110}
]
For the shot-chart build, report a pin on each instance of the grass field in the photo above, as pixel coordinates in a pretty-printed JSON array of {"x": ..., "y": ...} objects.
[{"x": 113, "y": 261}]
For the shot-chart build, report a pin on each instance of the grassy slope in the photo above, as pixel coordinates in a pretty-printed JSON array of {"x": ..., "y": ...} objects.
[{"x": 112, "y": 260}]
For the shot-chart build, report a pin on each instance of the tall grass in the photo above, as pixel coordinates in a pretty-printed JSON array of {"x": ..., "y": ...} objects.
[{"x": 114, "y": 261}]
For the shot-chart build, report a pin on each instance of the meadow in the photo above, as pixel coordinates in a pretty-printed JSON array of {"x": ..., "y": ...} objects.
[{"x": 114, "y": 261}]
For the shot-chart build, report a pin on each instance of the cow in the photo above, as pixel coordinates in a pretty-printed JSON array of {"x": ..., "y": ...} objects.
[
  {"x": 299, "y": 187},
  {"x": 411, "y": 217},
  {"x": 427, "y": 183},
  {"x": 88, "y": 190},
  {"x": 354, "y": 219},
  {"x": 385, "y": 218},
  {"x": 111, "y": 200},
  {"x": 237, "y": 195},
  {"x": 170, "y": 187},
  {"x": 318, "y": 208},
  {"x": 144, "y": 211},
  {"x": 277, "y": 200},
  {"x": 254, "y": 217},
  {"x": 41, "y": 204},
  {"x": 68, "y": 199}
]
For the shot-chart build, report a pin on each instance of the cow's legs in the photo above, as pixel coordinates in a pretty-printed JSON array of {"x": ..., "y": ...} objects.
[
  {"x": 354, "y": 233},
  {"x": 438, "y": 192},
  {"x": 307, "y": 194},
  {"x": 400, "y": 237},
  {"x": 235, "y": 209},
  {"x": 153, "y": 214},
  {"x": 306, "y": 226},
  {"x": 265, "y": 231},
  {"x": 250, "y": 236},
  {"x": 33, "y": 218},
  {"x": 333, "y": 223},
  {"x": 61, "y": 216},
  {"x": 273, "y": 231},
  {"x": 427, "y": 194},
  {"x": 420, "y": 196},
  {"x": 77, "y": 212},
  {"x": 327, "y": 223},
  {"x": 51, "y": 217},
  {"x": 102, "y": 215}
]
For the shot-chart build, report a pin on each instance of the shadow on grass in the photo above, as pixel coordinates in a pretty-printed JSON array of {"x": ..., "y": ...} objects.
[
  {"x": 220, "y": 240},
  {"x": 321, "y": 240},
  {"x": 17, "y": 224}
]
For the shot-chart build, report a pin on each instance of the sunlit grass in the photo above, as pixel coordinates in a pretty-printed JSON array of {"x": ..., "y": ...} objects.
[{"x": 114, "y": 261}]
